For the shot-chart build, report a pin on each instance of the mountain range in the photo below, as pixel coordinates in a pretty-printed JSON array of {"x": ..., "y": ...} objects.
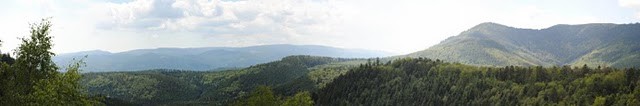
[
  {"x": 492, "y": 44},
  {"x": 486, "y": 44},
  {"x": 405, "y": 81},
  {"x": 207, "y": 58}
]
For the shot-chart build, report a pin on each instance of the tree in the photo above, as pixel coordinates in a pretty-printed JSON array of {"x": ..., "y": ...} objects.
[
  {"x": 4, "y": 67},
  {"x": 262, "y": 96},
  {"x": 33, "y": 58},
  {"x": 300, "y": 99},
  {"x": 62, "y": 89},
  {"x": 34, "y": 79},
  {"x": 5, "y": 58},
  {"x": 599, "y": 101}
]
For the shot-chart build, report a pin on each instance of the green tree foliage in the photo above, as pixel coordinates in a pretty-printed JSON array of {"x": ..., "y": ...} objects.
[
  {"x": 300, "y": 99},
  {"x": 264, "y": 96},
  {"x": 62, "y": 89},
  {"x": 5, "y": 75},
  {"x": 34, "y": 79},
  {"x": 34, "y": 58},
  {"x": 420, "y": 81},
  {"x": 5, "y": 58},
  {"x": 177, "y": 87},
  {"x": 150, "y": 87},
  {"x": 599, "y": 101}
]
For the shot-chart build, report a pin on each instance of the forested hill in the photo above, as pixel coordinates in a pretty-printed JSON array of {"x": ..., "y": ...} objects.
[
  {"x": 178, "y": 87},
  {"x": 492, "y": 44},
  {"x": 203, "y": 58},
  {"x": 405, "y": 81},
  {"x": 420, "y": 81}
]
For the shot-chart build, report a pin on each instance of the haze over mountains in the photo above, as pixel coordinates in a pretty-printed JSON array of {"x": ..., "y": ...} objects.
[
  {"x": 493, "y": 44},
  {"x": 487, "y": 44},
  {"x": 208, "y": 58}
]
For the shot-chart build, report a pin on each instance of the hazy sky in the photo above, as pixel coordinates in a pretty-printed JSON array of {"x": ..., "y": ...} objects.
[{"x": 399, "y": 26}]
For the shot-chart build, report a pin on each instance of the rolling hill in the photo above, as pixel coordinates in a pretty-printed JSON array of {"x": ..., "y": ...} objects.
[
  {"x": 492, "y": 44},
  {"x": 414, "y": 81},
  {"x": 209, "y": 58},
  {"x": 179, "y": 87},
  {"x": 421, "y": 81}
]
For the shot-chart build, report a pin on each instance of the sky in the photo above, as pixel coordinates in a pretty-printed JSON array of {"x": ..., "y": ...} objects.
[{"x": 396, "y": 26}]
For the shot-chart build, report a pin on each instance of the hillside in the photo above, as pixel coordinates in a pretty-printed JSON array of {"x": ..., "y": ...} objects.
[
  {"x": 405, "y": 81},
  {"x": 203, "y": 58},
  {"x": 178, "y": 87},
  {"x": 420, "y": 81},
  {"x": 492, "y": 44}
]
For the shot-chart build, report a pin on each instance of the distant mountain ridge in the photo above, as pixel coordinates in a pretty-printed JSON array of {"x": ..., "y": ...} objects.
[
  {"x": 206, "y": 58},
  {"x": 493, "y": 44}
]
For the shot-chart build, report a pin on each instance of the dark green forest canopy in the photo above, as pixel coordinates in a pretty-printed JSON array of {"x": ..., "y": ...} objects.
[
  {"x": 406, "y": 81},
  {"x": 264, "y": 96},
  {"x": 177, "y": 87},
  {"x": 421, "y": 81}
]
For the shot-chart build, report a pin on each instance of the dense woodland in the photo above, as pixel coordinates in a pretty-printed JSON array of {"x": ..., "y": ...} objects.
[
  {"x": 264, "y": 96},
  {"x": 406, "y": 81},
  {"x": 287, "y": 77},
  {"x": 422, "y": 81}
]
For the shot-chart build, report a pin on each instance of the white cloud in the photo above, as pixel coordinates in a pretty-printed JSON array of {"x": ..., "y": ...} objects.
[
  {"x": 629, "y": 3},
  {"x": 635, "y": 4},
  {"x": 400, "y": 26},
  {"x": 216, "y": 17}
]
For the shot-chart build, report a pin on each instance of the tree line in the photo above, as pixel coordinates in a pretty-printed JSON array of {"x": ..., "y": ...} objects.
[{"x": 422, "y": 81}]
